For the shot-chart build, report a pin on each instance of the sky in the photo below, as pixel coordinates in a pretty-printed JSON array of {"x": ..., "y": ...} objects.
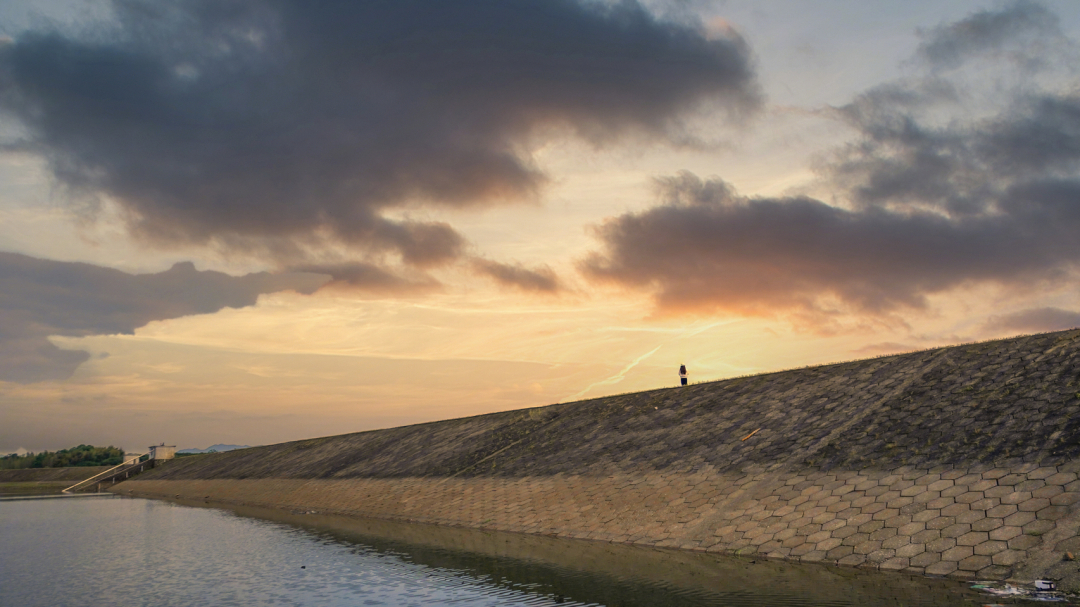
[{"x": 255, "y": 221}]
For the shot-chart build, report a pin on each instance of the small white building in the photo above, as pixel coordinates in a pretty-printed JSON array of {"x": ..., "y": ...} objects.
[{"x": 162, "y": 451}]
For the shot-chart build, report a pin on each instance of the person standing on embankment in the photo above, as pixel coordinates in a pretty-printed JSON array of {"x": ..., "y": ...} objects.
[{"x": 682, "y": 374}]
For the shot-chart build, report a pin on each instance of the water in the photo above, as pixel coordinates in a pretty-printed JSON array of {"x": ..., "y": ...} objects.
[{"x": 132, "y": 552}]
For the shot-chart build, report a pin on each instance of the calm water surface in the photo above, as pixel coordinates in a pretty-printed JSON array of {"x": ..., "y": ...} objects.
[{"x": 124, "y": 551}]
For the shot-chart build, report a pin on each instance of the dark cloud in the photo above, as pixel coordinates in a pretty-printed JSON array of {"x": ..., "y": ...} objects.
[
  {"x": 39, "y": 298},
  {"x": 371, "y": 278},
  {"x": 1018, "y": 24},
  {"x": 710, "y": 249},
  {"x": 540, "y": 280},
  {"x": 1034, "y": 320},
  {"x": 232, "y": 122},
  {"x": 922, "y": 205}
]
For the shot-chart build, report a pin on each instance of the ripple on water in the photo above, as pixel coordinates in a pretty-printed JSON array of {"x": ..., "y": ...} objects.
[{"x": 155, "y": 553}]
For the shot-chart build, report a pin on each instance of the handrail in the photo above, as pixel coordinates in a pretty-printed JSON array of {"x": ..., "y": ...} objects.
[{"x": 127, "y": 462}]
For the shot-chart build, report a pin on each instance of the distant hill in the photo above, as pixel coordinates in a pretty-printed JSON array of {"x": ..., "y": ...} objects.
[{"x": 213, "y": 448}]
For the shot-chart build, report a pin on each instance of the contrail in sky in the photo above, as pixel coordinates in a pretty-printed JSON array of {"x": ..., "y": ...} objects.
[{"x": 618, "y": 377}]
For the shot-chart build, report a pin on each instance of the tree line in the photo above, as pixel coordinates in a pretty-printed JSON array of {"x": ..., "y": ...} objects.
[{"x": 83, "y": 455}]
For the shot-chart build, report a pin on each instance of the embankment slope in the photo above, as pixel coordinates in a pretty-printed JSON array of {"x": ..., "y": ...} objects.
[{"x": 958, "y": 461}]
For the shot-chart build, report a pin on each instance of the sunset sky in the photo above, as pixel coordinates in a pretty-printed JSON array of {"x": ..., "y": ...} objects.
[{"x": 254, "y": 221}]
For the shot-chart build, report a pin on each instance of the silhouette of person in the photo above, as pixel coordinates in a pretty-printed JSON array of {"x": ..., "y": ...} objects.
[{"x": 682, "y": 374}]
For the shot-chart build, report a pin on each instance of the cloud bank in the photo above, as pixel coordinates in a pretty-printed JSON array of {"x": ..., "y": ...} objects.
[
  {"x": 40, "y": 298},
  {"x": 287, "y": 127},
  {"x": 539, "y": 280},
  {"x": 928, "y": 198},
  {"x": 1034, "y": 320}
]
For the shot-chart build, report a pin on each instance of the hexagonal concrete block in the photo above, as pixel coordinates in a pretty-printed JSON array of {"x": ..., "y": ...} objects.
[
  {"x": 987, "y": 524},
  {"x": 1008, "y": 557},
  {"x": 927, "y": 497},
  {"x": 844, "y": 532},
  {"x": 839, "y": 506},
  {"x": 955, "y": 530},
  {"x": 829, "y": 544},
  {"x": 940, "y": 485},
  {"x": 1048, "y": 491},
  {"x": 875, "y": 508},
  {"x": 926, "y": 479},
  {"x": 1019, "y": 519},
  {"x": 886, "y": 514},
  {"x": 954, "y": 509},
  {"x": 941, "y": 568},
  {"x": 925, "y": 515},
  {"x": 1030, "y": 485},
  {"x": 855, "y": 539},
  {"x": 843, "y": 490},
  {"x": 957, "y": 553},
  {"x": 970, "y": 516},
  {"x": 972, "y": 538},
  {"x": 970, "y": 496},
  {"x": 913, "y": 491},
  {"x": 1070, "y": 545},
  {"x": 1005, "y": 533},
  {"x": 939, "y": 503},
  {"x": 941, "y": 544},
  {"x": 786, "y": 533},
  {"x": 794, "y": 541},
  {"x": 954, "y": 491},
  {"x": 837, "y": 523},
  {"x": 867, "y": 547},
  {"x": 1024, "y": 542},
  {"x": 1039, "y": 527},
  {"x": 900, "y": 485},
  {"x": 967, "y": 479},
  {"x": 995, "y": 473},
  {"x": 911, "y": 528},
  {"x": 994, "y": 572},
  {"x": 975, "y": 563},
  {"x": 999, "y": 491},
  {"x": 923, "y": 537},
  {"x": 1033, "y": 505},
  {"x": 895, "y": 542},
  {"x": 1061, "y": 478},
  {"x": 1042, "y": 473},
  {"x": 852, "y": 560},
  {"x": 896, "y": 563},
  {"x": 1012, "y": 479},
  {"x": 1016, "y": 497},
  {"x": 909, "y": 550},
  {"x": 1065, "y": 499},
  {"x": 991, "y": 547},
  {"x": 863, "y": 501},
  {"x": 912, "y": 509},
  {"x": 1052, "y": 513},
  {"x": 941, "y": 522},
  {"x": 839, "y": 552},
  {"x": 883, "y": 534},
  {"x": 899, "y": 502},
  {"x": 829, "y": 501},
  {"x": 925, "y": 559}
]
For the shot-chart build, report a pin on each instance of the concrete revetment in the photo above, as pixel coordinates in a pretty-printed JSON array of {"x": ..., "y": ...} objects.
[{"x": 961, "y": 461}]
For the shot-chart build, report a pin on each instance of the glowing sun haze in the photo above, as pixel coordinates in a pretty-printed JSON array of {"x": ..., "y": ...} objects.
[{"x": 261, "y": 220}]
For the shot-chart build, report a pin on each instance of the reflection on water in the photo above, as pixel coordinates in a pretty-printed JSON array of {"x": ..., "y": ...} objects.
[{"x": 142, "y": 552}]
